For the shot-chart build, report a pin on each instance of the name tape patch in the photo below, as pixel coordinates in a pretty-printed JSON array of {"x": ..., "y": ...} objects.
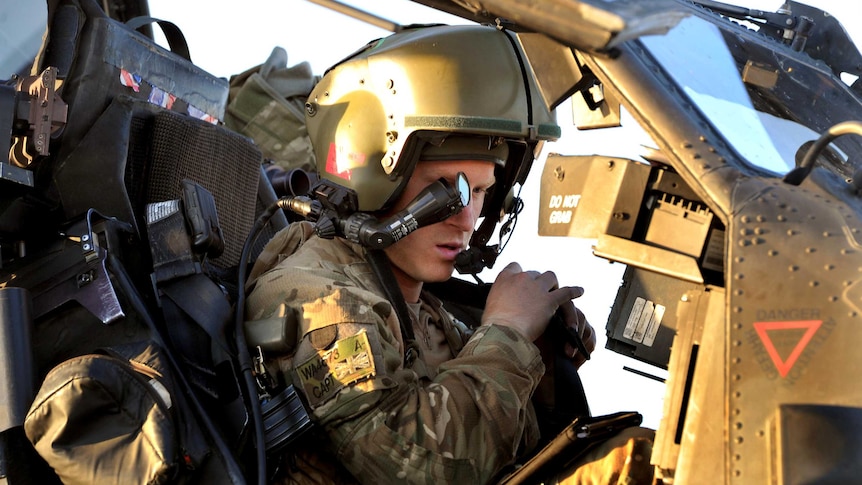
[{"x": 347, "y": 361}]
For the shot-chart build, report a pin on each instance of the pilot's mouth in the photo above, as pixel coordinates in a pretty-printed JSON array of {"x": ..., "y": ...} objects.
[{"x": 450, "y": 251}]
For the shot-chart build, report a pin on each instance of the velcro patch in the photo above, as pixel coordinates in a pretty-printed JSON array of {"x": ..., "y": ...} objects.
[{"x": 329, "y": 371}]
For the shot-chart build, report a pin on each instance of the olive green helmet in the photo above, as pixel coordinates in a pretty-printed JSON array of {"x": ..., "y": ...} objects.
[{"x": 370, "y": 115}]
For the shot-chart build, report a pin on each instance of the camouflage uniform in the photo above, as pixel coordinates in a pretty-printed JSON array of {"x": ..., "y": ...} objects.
[{"x": 459, "y": 414}]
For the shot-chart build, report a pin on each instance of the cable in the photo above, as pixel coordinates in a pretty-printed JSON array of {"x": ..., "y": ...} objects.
[{"x": 243, "y": 355}]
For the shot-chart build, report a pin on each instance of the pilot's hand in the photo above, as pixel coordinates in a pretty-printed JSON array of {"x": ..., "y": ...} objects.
[
  {"x": 526, "y": 300},
  {"x": 576, "y": 319}
]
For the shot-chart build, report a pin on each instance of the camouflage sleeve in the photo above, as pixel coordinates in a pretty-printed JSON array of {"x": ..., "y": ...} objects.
[{"x": 461, "y": 427}]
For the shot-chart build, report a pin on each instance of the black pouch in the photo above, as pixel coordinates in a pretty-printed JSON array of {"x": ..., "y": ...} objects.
[
  {"x": 114, "y": 417},
  {"x": 101, "y": 58}
]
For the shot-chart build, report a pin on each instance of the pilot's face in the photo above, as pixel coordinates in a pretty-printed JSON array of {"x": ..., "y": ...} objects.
[{"x": 428, "y": 253}]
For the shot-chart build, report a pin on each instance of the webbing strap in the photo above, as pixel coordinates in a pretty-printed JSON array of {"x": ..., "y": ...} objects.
[
  {"x": 173, "y": 34},
  {"x": 382, "y": 269}
]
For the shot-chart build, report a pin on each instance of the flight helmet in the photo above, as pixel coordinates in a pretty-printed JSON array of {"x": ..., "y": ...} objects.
[{"x": 373, "y": 114}]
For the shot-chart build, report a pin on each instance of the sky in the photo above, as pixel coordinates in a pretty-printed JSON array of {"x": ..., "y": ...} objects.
[{"x": 224, "y": 40}]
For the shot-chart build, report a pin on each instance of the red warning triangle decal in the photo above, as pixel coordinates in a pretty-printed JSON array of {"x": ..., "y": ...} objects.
[{"x": 784, "y": 365}]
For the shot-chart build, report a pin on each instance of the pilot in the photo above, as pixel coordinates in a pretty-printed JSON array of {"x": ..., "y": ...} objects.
[{"x": 432, "y": 399}]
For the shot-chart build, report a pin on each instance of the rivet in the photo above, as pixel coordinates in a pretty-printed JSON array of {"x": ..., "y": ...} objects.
[
  {"x": 739, "y": 441},
  {"x": 744, "y": 242},
  {"x": 781, "y": 218},
  {"x": 744, "y": 219},
  {"x": 810, "y": 250},
  {"x": 829, "y": 267},
  {"x": 772, "y": 252},
  {"x": 791, "y": 232},
  {"x": 792, "y": 268},
  {"x": 813, "y": 283},
  {"x": 740, "y": 259},
  {"x": 738, "y": 276}
]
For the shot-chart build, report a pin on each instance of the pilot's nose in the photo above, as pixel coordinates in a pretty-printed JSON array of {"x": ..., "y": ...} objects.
[{"x": 466, "y": 219}]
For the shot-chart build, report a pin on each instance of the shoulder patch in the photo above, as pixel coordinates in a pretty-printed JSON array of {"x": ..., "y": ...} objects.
[{"x": 328, "y": 371}]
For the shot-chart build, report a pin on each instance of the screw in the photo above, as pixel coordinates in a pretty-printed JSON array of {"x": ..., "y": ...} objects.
[
  {"x": 84, "y": 279},
  {"x": 560, "y": 173}
]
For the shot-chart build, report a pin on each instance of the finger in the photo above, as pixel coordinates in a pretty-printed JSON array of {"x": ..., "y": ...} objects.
[
  {"x": 589, "y": 338},
  {"x": 512, "y": 267},
  {"x": 548, "y": 280},
  {"x": 533, "y": 274},
  {"x": 566, "y": 294},
  {"x": 577, "y": 322},
  {"x": 570, "y": 315}
]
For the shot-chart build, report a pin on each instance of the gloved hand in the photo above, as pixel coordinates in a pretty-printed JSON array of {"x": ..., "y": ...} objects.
[
  {"x": 575, "y": 319},
  {"x": 526, "y": 300}
]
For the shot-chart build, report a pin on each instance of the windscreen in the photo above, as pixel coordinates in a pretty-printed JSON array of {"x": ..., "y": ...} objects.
[{"x": 770, "y": 106}]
